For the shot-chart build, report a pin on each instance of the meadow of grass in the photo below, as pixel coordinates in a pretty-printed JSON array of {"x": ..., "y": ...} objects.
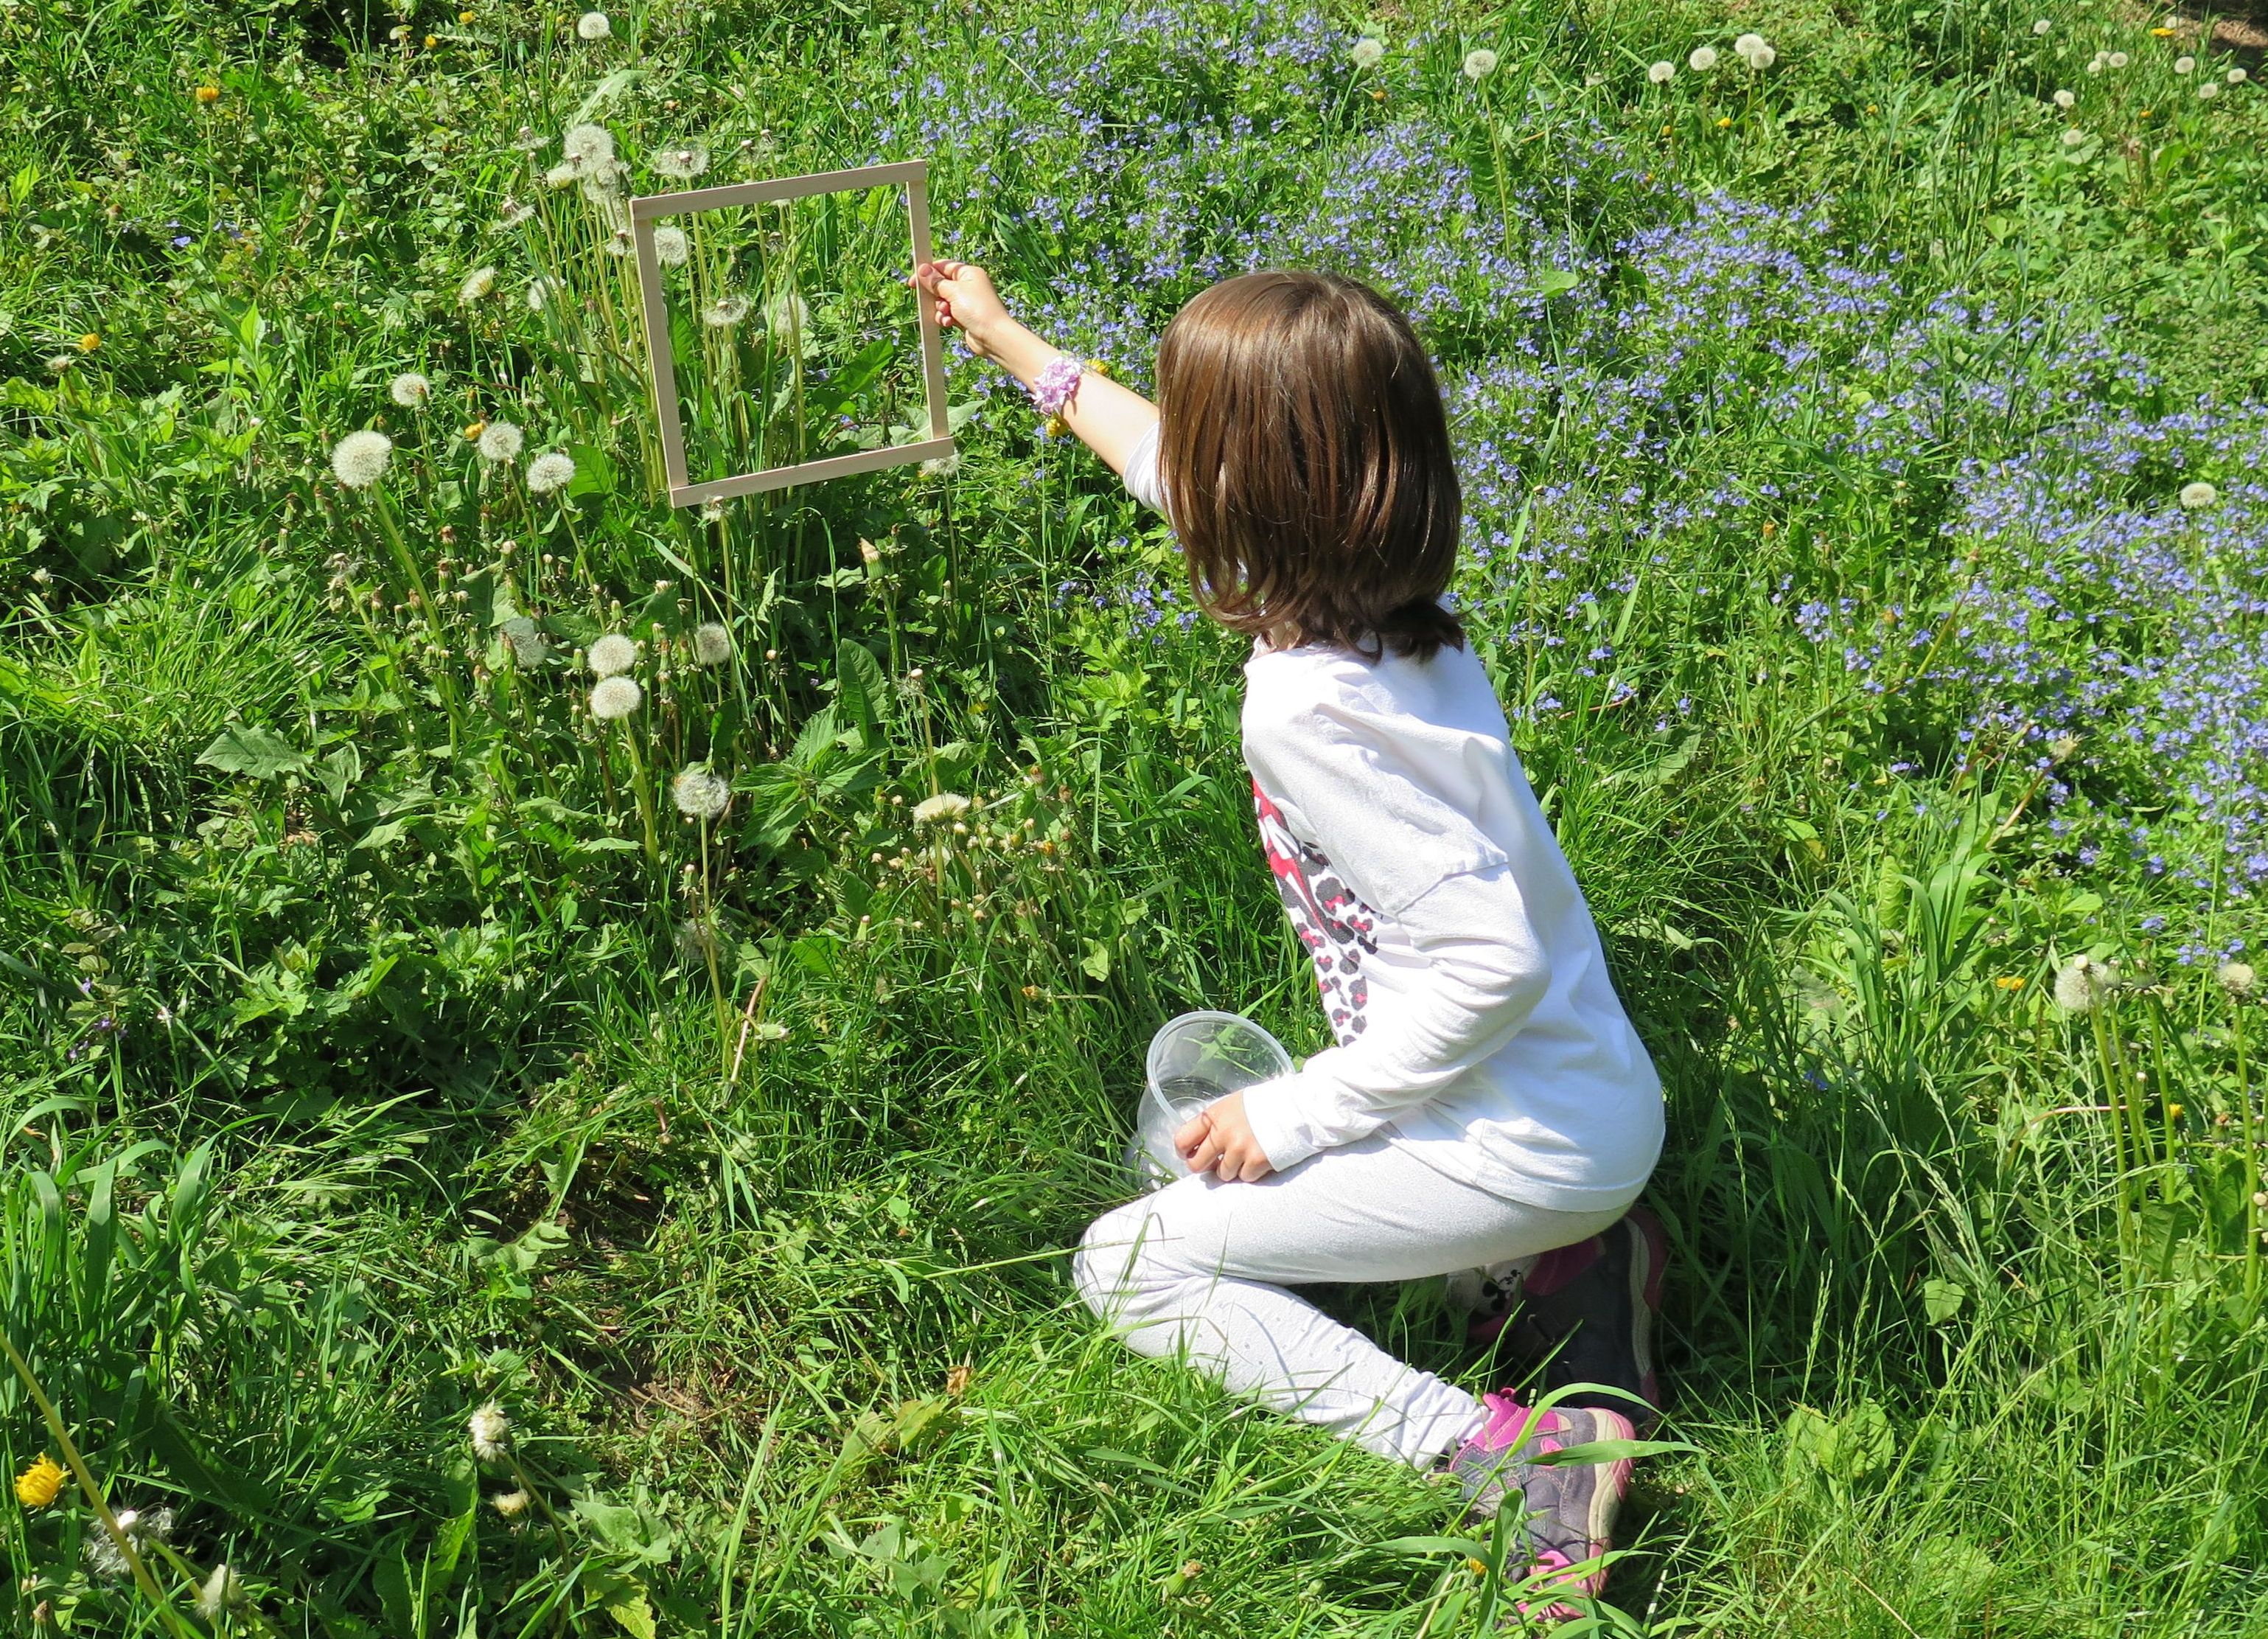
[{"x": 463, "y": 1179}]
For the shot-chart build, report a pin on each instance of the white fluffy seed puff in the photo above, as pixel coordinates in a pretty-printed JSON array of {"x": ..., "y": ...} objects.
[
  {"x": 671, "y": 248},
  {"x": 359, "y": 460},
  {"x": 615, "y": 697},
  {"x": 587, "y": 146},
  {"x": 592, "y": 25},
  {"x": 712, "y": 643},
  {"x": 1480, "y": 63},
  {"x": 500, "y": 442},
  {"x": 2081, "y": 984},
  {"x": 611, "y": 655},
  {"x": 490, "y": 1432},
  {"x": 1367, "y": 53},
  {"x": 549, "y": 471},
  {"x": 477, "y": 284},
  {"x": 700, "y": 793},
  {"x": 2195, "y": 497},
  {"x": 943, "y": 806},
  {"x": 1662, "y": 73},
  {"x": 409, "y": 389}
]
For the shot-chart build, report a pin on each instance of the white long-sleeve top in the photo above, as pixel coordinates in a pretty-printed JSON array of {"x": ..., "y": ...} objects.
[{"x": 1477, "y": 1023}]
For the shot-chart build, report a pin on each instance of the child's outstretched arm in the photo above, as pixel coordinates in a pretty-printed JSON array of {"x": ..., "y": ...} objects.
[{"x": 1109, "y": 419}]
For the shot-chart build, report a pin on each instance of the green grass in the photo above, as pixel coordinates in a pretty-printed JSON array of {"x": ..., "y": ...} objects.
[{"x": 377, "y": 1041}]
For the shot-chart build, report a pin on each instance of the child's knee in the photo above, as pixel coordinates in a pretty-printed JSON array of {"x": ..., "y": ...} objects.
[{"x": 1110, "y": 1268}]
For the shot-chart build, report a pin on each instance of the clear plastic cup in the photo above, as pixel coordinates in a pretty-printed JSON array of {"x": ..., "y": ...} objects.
[{"x": 1194, "y": 1060}]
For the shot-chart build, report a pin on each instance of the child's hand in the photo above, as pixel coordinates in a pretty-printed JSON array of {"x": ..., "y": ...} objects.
[
  {"x": 1220, "y": 1139},
  {"x": 965, "y": 300}
]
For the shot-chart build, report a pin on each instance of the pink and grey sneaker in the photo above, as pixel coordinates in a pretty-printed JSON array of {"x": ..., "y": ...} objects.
[
  {"x": 1569, "y": 1509},
  {"x": 1586, "y": 1314}
]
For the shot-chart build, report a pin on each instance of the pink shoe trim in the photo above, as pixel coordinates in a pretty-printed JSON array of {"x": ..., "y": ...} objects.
[
  {"x": 1508, "y": 1421},
  {"x": 1552, "y": 1560}
]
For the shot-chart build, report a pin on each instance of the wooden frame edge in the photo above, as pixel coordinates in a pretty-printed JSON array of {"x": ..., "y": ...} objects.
[{"x": 661, "y": 363}]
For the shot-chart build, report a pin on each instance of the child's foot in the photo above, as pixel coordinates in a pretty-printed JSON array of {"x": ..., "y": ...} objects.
[
  {"x": 1587, "y": 1315},
  {"x": 1570, "y": 1509}
]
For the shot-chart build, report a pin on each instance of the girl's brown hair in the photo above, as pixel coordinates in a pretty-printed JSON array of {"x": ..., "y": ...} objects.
[{"x": 1305, "y": 457}]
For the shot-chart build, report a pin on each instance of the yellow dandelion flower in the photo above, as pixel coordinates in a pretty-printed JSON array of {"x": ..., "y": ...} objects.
[
  {"x": 432, "y": 41},
  {"x": 1479, "y": 1567},
  {"x": 2010, "y": 981},
  {"x": 40, "y": 1484},
  {"x": 474, "y": 429},
  {"x": 207, "y": 93},
  {"x": 1725, "y": 122},
  {"x": 2165, "y": 34},
  {"x": 2173, "y": 1112},
  {"x": 88, "y": 342},
  {"x": 1101, "y": 366},
  {"x": 466, "y": 19}
]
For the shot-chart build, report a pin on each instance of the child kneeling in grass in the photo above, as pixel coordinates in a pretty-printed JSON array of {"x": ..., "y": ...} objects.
[{"x": 1488, "y": 1107}]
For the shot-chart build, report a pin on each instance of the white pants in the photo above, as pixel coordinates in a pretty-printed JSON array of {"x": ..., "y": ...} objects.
[{"x": 1201, "y": 1266}]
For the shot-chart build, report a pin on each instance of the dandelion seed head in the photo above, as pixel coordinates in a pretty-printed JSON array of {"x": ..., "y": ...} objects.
[
  {"x": 409, "y": 389},
  {"x": 2081, "y": 983},
  {"x": 943, "y": 806},
  {"x": 501, "y": 441},
  {"x": 615, "y": 697},
  {"x": 2236, "y": 77},
  {"x": 548, "y": 472},
  {"x": 2237, "y": 978},
  {"x": 2040, "y": 25},
  {"x": 712, "y": 643},
  {"x": 490, "y": 1431},
  {"x": 787, "y": 311},
  {"x": 611, "y": 655},
  {"x": 1662, "y": 73},
  {"x": 359, "y": 460},
  {"x": 1480, "y": 63},
  {"x": 2208, "y": 91},
  {"x": 1367, "y": 53},
  {"x": 1702, "y": 59},
  {"x": 2118, "y": 60},
  {"x": 539, "y": 292},
  {"x": 2184, "y": 65},
  {"x": 586, "y": 146},
  {"x": 477, "y": 284},
  {"x": 942, "y": 466},
  {"x": 671, "y": 247},
  {"x": 2065, "y": 98},
  {"x": 223, "y": 1592},
  {"x": 510, "y": 1504},
  {"x": 561, "y": 174},
  {"x": 680, "y": 164},
  {"x": 602, "y": 186},
  {"x": 592, "y": 25},
  {"x": 2072, "y": 137},
  {"x": 700, "y": 793},
  {"x": 724, "y": 312},
  {"x": 2196, "y": 496}
]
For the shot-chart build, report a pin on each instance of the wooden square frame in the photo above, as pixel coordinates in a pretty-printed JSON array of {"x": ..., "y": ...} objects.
[{"x": 648, "y": 209}]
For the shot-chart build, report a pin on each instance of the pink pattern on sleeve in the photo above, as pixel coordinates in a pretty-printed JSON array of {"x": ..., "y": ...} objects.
[{"x": 1331, "y": 920}]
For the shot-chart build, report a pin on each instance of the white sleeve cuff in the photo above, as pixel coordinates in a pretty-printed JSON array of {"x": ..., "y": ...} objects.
[{"x": 1285, "y": 1134}]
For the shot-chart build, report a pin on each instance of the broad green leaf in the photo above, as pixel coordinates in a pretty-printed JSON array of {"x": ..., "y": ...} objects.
[{"x": 262, "y": 753}]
